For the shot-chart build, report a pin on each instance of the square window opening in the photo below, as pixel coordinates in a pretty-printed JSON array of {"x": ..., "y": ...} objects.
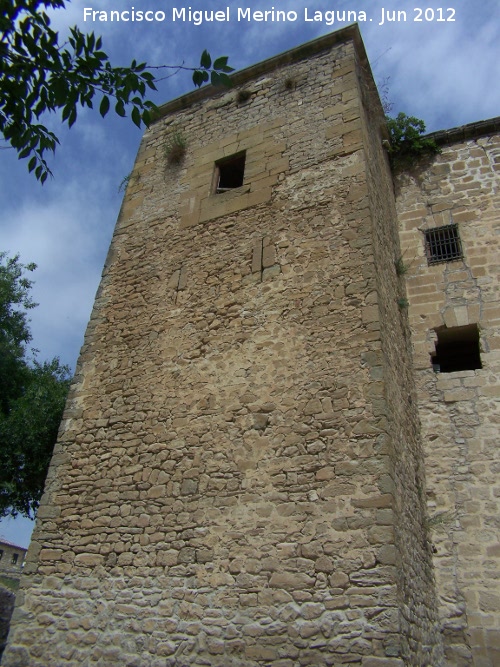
[
  {"x": 442, "y": 244},
  {"x": 457, "y": 349},
  {"x": 229, "y": 173}
]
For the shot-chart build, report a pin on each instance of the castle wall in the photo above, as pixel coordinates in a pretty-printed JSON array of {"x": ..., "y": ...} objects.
[
  {"x": 231, "y": 486},
  {"x": 459, "y": 410},
  {"x": 419, "y": 623}
]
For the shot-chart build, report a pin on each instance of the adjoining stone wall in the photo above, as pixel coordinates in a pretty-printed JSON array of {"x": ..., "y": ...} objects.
[
  {"x": 230, "y": 486},
  {"x": 460, "y": 411}
]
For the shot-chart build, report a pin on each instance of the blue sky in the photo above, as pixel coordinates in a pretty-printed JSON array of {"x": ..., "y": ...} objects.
[{"x": 443, "y": 71}]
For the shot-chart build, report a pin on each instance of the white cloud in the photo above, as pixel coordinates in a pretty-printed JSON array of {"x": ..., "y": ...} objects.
[{"x": 66, "y": 236}]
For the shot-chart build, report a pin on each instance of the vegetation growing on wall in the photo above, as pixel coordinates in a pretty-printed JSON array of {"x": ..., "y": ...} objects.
[
  {"x": 175, "y": 148},
  {"x": 407, "y": 141}
]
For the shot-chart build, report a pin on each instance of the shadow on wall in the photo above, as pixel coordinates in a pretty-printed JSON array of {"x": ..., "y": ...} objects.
[{"x": 8, "y": 588}]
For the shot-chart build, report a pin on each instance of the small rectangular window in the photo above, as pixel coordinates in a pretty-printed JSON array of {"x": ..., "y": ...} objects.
[
  {"x": 442, "y": 244},
  {"x": 1, "y": 554},
  {"x": 457, "y": 349},
  {"x": 15, "y": 558},
  {"x": 229, "y": 173}
]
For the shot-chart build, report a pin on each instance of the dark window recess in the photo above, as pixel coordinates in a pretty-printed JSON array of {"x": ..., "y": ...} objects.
[
  {"x": 229, "y": 173},
  {"x": 457, "y": 349},
  {"x": 442, "y": 244},
  {"x": 15, "y": 558}
]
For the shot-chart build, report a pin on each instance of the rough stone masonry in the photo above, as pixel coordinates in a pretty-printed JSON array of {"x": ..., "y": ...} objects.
[
  {"x": 240, "y": 474},
  {"x": 459, "y": 409}
]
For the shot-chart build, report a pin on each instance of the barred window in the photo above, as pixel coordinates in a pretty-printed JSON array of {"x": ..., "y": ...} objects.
[{"x": 442, "y": 244}]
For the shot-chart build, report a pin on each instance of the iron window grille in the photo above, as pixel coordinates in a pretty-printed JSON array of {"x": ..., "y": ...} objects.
[{"x": 442, "y": 244}]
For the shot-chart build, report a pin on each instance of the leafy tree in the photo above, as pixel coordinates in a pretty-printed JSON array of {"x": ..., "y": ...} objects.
[
  {"x": 14, "y": 331},
  {"x": 407, "y": 141},
  {"x": 40, "y": 75},
  {"x": 32, "y": 398}
]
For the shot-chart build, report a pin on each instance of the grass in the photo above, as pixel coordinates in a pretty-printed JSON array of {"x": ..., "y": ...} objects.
[{"x": 8, "y": 582}]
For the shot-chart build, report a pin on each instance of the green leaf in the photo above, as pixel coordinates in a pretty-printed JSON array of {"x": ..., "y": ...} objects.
[
  {"x": 197, "y": 78},
  {"x": 72, "y": 117},
  {"x": 104, "y": 106},
  {"x": 224, "y": 80},
  {"x": 59, "y": 89},
  {"x": 215, "y": 78},
  {"x": 66, "y": 111},
  {"x": 220, "y": 63},
  {"x": 120, "y": 108},
  {"x": 136, "y": 116},
  {"x": 149, "y": 80},
  {"x": 206, "y": 60}
]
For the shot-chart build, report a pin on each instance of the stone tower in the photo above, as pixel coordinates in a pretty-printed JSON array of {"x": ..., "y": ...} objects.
[{"x": 239, "y": 479}]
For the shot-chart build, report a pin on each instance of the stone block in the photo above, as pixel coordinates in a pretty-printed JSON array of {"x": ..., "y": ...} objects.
[
  {"x": 290, "y": 581},
  {"x": 271, "y": 272},
  {"x": 385, "y": 500},
  {"x": 50, "y": 554},
  {"x": 268, "y": 256},
  {"x": 89, "y": 559},
  {"x": 381, "y": 662},
  {"x": 257, "y": 258}
]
